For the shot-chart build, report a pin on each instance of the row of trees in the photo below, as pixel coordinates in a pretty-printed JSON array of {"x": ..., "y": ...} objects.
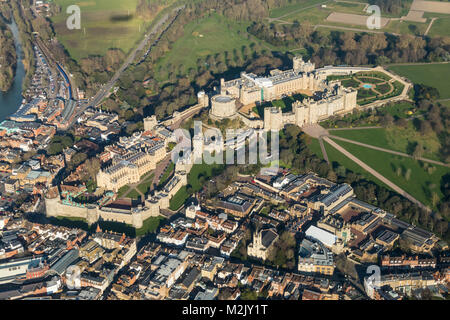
[
  {"x": 392, "y": 6},
  {"x": 19, "y": 11},
  {"x": 295, "y": 142},
  {"x": 8, "y": 58},
  {"x": 351, "y": 48}
]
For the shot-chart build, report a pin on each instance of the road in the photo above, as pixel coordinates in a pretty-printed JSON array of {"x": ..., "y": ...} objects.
[
  {"x": 351, "y": 29},
  {"x": 390, "y": 151},
  {"x": 324, "y": 151},
  {"x": 105, "y": 90},
  {"x": 429, "y": 26},
  {"x": 295, "y": 11},
  {"x": 376, "y": 174},
  {"x": 54, "y": 63}
]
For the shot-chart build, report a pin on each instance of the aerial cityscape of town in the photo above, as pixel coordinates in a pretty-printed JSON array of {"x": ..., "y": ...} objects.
[{"x": 224, "y": 150}]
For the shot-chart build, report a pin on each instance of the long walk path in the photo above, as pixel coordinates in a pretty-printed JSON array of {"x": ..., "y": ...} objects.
[
  {"x": 324, "y": 151},
  {"x": 389, "y": 151},
  {"x": 376, "y": 174}
]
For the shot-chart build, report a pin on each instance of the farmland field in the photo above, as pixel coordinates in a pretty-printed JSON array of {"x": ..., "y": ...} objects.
[
  {"x": 440, "y": 27},
  {"x": 105, "y": 24}
]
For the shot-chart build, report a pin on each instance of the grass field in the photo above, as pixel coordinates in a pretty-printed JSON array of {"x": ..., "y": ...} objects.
[
  {"x": 422, "y": 182},
  {"x": 167, "y": 173},
  {"x": 105, "y": 24},
  {"x": 285, "y": 104},
  {"x": 434, "y": 75},
  {"x": 314, "y": 146},
  {"x": 122, "y": 191},
  {"x": 197, "y": 172},
  {"x": 145, "y": 186},
  {"x": 278, "y": 12},
  {"x": 149, "y": 226},
  {"x": 133, "y": 194},
  {"x": 440, "y": 27},
  {"x": 336, "y": 158},
  {"x": 398, "y": 110},
  {"x": 395, "y": 138},
  {"x": 406, "y": 27},
  {"x": 207, "y": 36}
]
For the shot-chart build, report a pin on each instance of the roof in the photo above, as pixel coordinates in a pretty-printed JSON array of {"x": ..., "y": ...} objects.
[
  {"x": 323, "y": 236},
  {"x": 268, "y": 236}
]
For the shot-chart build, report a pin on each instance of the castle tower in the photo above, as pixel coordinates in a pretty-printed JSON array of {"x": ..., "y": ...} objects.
[
  {"x": 137, "y": 219},
  {"x": 301, "y": 113},
  {"x": 273, "y": 119},
  {"x": 297, "y": 63},
  {"x": 222, "y": 86},
  {"x": 202, "y": 99},
  {"x": 300, "y": 65},
  {"x": 92, "y": 216},
  {"x": 150, "y": 123}
]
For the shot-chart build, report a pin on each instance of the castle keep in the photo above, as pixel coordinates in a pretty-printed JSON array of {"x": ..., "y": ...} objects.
[{"x": 325, "y": 99}]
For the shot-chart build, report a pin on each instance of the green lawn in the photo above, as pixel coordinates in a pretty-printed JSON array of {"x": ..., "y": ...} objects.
[
  {"x": 314, "y": 146},
  {"x": 434, "y": 75},
  {"x": 300, "y": 4},
  {"x": 395, "y": 138},
  {"x": 133, "y": 194},
  {"x": 406, "y": 27},
  {"x": 285, "y": 104},
  {"x": 440, "y": 27},
  {"x": 335, "y": 157},
  {"x": 315, "y": 15},
  {"x": 144, "y": 186},
  {"x": 105, "y": 24},
  {"x": 196, "y": 178},
  {"x": 122, "y": 191},
  {"x": 179, "y": 199},
  {"x": 422, "y": 182},
  {"x": 207, "y": 36},
  {"x": 149, "y": 226},
  {"x": 165, "y": 176}
]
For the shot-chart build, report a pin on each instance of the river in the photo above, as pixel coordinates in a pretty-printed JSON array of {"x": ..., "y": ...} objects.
[{"x": 11, "y": 100}]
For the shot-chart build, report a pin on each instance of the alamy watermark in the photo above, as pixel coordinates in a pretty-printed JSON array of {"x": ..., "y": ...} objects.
[
  {"x": 374, "y": 280},
  {"x": 210, "y": 147},
  {"x": 374, "y": 21},
  {"x": 74, "y": 20},
  {"x": 73, "y": 277}
]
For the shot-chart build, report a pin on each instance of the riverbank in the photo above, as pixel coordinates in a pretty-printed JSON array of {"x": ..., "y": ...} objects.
[
  {"x": 11, "y": 99},
  {"x": 8, "y": 57}
]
